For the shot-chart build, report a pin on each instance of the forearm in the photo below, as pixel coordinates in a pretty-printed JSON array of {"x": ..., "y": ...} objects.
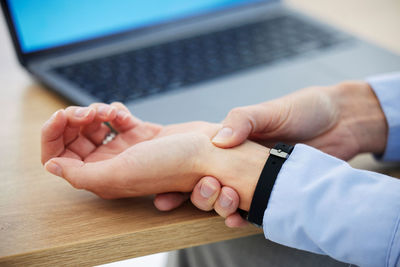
[{"x": 327, "y": 207}]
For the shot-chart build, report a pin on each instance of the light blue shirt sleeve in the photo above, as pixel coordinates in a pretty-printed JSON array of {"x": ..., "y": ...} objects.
[
  {"x": 387, "y": 89},
  {"x": 321, "y": 204}
]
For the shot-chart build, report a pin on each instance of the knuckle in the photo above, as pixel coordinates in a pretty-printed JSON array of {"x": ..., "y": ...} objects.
[
  {"x": 240, "y": 114},
  {"x": 242, "y": 118},
  {"x": 96, "y": 105},
  {"x": 71, "y": 108},
  {"x": 76, "y": 183},
  {"x": 239, "y": 111},
  {"x": 117, "y": 103},
  {"x": 350, "y": 84}
]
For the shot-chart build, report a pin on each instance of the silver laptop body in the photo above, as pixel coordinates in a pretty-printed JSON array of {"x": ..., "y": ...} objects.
[{"x": 210, "y": 100}]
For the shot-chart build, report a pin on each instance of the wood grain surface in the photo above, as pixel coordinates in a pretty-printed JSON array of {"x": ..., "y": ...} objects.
[{"x": 45, "y": 222}]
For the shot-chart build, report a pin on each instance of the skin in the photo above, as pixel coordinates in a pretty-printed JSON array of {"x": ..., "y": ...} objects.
[
  {"x": 144, "y": 158},
  {"x": 336, "y": 124},
  {"x": 342, "y": 120}
]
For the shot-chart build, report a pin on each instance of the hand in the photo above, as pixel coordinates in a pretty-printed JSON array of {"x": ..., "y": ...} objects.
[
  {"x": 208, "y": 194},
  {"x": 341, "y": 120},
  {"x": 72, "y": 148},
  {"x": 78, "y": 132},
  {"x": 324, "y": 117},
  {"x": 144, "y": 158}
]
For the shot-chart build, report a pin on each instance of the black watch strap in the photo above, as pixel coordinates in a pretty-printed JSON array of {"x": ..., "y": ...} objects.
[{"x": 262, "y": 193}]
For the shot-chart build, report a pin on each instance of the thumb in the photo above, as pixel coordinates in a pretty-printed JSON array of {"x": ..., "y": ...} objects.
[
  {"x": 241, "y": 123},
  {"x": 79, "y": 174}
]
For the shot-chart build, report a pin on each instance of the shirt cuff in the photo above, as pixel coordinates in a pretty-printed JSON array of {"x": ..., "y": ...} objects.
[
  {"x": 322, "y": 205},
  {"x": 387, "y": 89}
]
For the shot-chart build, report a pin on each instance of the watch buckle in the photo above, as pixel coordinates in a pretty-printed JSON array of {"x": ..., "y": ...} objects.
[{"x": 279, "y": 153}]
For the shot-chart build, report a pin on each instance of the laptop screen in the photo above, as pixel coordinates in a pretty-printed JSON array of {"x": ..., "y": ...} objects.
[{"x": 51, "y": 23}]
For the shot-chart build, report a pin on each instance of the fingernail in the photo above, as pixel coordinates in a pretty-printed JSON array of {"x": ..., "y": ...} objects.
[
  {"x": 225, "y": 201},
  {"x": 54, "y": 168},
  {"x": 223, "y": 134},
  {"x": 82, "y": 112},
  {"x": 104, "y": 110},
  {"x": 207, "y": 190},
  {"x": 122, "y": 115}
]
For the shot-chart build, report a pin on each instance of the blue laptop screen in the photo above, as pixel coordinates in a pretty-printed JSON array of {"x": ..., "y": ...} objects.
[{"x": 50, "y": 23}]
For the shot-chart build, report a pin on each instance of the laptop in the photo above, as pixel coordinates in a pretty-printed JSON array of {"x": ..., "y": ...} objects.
[{"x": 175, "y": 61}]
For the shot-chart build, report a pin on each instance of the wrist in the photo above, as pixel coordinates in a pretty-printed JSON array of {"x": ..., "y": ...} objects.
[
  {"x": 363, "y": 114},
  {"x": 239, "y": 168}
]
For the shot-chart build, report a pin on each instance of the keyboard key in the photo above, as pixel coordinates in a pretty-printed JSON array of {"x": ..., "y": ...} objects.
[{"x": 160, "y": 68}]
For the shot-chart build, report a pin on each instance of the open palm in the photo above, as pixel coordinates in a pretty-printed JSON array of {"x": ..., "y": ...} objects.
[
  {"x": 144, "y": 158},
  {"x": 78, "y": 132}
]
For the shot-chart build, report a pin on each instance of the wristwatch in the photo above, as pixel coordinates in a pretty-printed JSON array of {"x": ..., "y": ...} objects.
[{"x": 277, "y": 156}]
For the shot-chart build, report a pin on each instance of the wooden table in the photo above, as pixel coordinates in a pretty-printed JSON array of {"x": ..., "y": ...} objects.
[{"x": 44, "y": 221}]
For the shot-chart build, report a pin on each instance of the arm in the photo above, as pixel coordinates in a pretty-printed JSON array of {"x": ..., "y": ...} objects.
[
  {"x": 143, "y": 158},
  {"x": 387, "y": 89},
  {"x": 327, "y": 207},
  {"x": 186, "y": 157},
  {"x": 333, "y": 209},
  {"x": 330, "y": 208},
  {"x": 341, "y": 120},
  {"x": 375, "y": 119}
]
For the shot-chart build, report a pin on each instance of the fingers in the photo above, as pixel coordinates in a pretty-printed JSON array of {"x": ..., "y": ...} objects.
[
  {"x": 96, "y": 131},
  {"x": 136, "y": 130},
  {"x": 124, "y": 120},
  {"x": 236, "y": 128},
  {"x": 208, "y": 195},
  {"x": 170, "y": 201},
  {"x": 76, "y": 118},
  {"x": 62, "y": 167},
  {"x": 90, "y": 176},
  {"x": 235, "y": 220},
  {"x": 241, "y": 122},
  {"x": 205, "y": 193},
  {"x": 81, "y": 129},
  {"x": 52, "y": 143},
  {"x": 63, "y": 129},
  {"x": 227, "y": 203},
  {"x": 116, "y": 114}
]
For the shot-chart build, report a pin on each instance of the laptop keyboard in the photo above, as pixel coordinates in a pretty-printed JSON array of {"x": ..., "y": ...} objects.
[{"x": 169, "y": 66}]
